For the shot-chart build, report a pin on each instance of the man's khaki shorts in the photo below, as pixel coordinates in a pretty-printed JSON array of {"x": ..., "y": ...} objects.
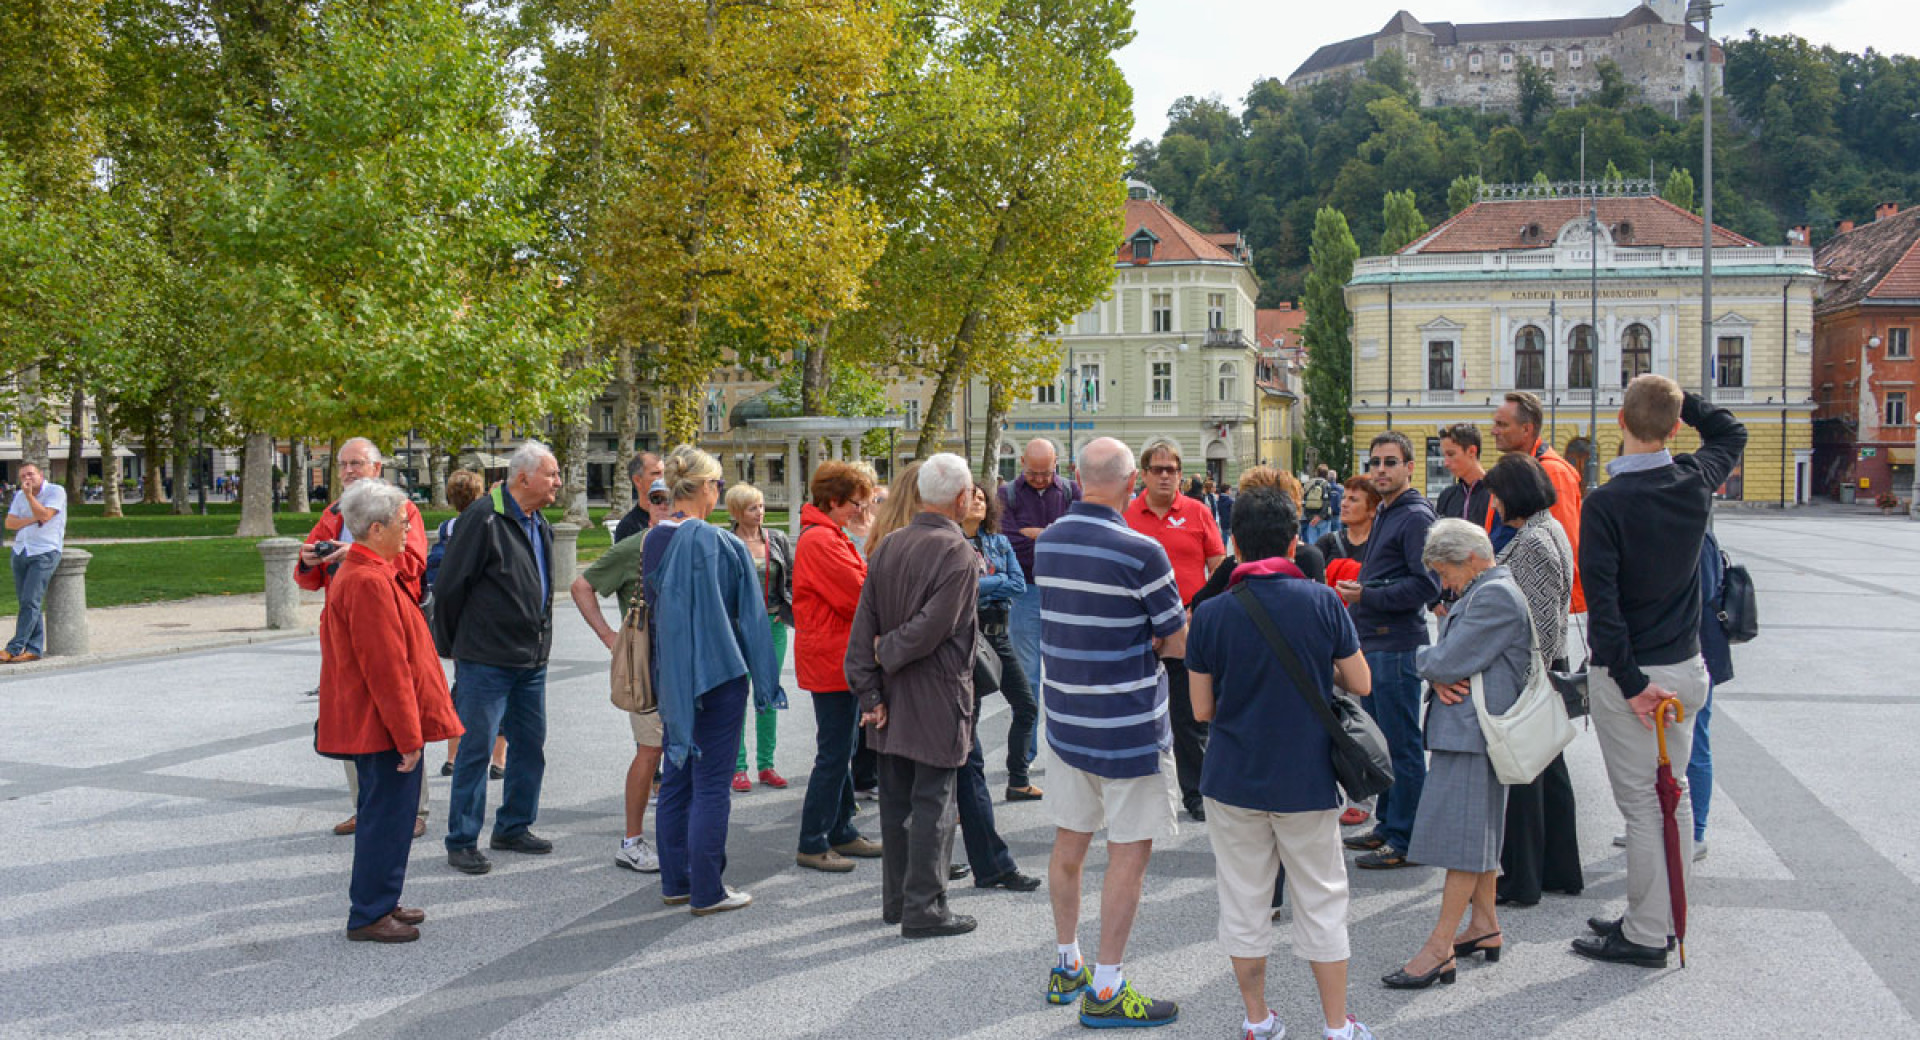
[
  {"x": 1135, "y": 809},
  {"x": 648, "y": 730}
]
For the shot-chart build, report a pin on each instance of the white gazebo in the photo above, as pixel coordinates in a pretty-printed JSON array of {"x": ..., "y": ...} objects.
[{"x": 832, "y": 437}]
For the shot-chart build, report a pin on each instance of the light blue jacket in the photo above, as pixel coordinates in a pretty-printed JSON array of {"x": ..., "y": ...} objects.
[
  {"x": 1007, "y": 582},
  {"x": 710, "y": 627},
  {"x": 1488, "y": 633}
]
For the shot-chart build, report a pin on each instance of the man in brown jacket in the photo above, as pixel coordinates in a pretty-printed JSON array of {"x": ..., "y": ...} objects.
[{"x": 910, "y": 661}]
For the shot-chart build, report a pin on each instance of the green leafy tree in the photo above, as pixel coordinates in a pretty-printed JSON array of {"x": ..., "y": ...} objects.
[
  {"x": 1327, "y": 337},
  {"x": 1400, "y": 214},
  {"x": 1463, "y": 192},
  {"x": 1678, "y": 188},
  {"x": 1613, "y": 84},
  {"x": 1536, "y": 91}
]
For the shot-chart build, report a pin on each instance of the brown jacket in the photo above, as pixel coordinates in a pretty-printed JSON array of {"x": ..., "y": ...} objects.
[{"x": 919, "y": 599}]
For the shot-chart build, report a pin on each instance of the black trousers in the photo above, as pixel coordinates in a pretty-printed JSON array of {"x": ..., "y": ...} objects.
[
  {"x": 916, "y": 838},
  {"x": 1542, "y": 849},
  {"x": 1189, "y": 734},
  {"x": 986, "y": 851},
  {"x": 1021, "y": 702},
  {"x": 866, "y": 764}
]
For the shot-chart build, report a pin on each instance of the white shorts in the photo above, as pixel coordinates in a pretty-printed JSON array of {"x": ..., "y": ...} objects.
[
  {"x": 1138, "y": 808},
  {"x": 1249, "y": 848},
  {"x": 648, "y": 730}
]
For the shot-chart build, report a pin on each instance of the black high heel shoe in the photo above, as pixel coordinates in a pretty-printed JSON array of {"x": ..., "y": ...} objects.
[
  {"x": 1444, "y": 974},
  {"x": 1472, "y": 946}
]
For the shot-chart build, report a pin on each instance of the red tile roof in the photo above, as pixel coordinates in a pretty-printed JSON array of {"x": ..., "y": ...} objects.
[
  {"x": 1877, "y": 261},
  {"x": 1178, "y": 240},
  {"x": 1278, "y": 326},
  {"x": 1500, "y": 225}
]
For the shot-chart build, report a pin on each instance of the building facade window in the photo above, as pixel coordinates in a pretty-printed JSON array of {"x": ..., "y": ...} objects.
[
  {"x": 1047, "y": 392},
  {"x": 1160, "y": 381},
  {"x": 1529, "y": 359},
  {"x": 1580, "y": 358},
  {"x": 1506, "y": 65},
  {"x": 1896, "y": 408},
  {"x": 1162, "y": 310},
  {"x": 1216, "y": 310},
  {"x": 1440, "y": 365},
  {"x": 1090, "y": 384},
  {"x": 1576, "y": 58},
  {"x": 1447, "y": 63},
  {"x": 1636, "y": 352},
  {"x": 1899, "y": 343},
  {"x": 1730, "y": 362},
  {"x": 1546, "y": 61},
  {"x": 606, "y": 419},
  {"x": 1473, "y": 62},
  {"x": 1229, "y": 381},
  {"x": 1143, "y": 242}
]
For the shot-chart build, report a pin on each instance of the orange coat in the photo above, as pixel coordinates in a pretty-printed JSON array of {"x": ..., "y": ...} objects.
[
  {"x": 411, "y": 563},
  {"x": 381, "y": 687},
  {"x": 828, "y": 573},
  {"x": 1566, "y": 509}
]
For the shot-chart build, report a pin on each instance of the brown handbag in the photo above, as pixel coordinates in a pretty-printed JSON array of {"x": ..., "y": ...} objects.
[{"x": 632, "y": 672}]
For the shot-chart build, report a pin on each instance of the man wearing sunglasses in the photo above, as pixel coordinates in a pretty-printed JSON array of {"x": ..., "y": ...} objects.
[{"x": 1388, "y": 602}]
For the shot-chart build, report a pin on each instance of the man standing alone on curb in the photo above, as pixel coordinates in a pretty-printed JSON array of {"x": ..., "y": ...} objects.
[
  {"x": 358, "y": 458},
  {"x": 1113, "y": 614},
  {"x": 1640, "y": 552},
  {"x": 494, "y": 615},
  {"x": 910, "y": 661},
  {"x": 1027, "y": 507},
  {"x": 39, "y": 514},
  {"x": 1388, "y": 604},
  {"x": 1185, "y": 528}
]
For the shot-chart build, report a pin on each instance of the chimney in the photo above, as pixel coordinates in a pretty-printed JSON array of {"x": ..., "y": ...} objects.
[
  {"x": 1885, "y": 210},
  {"x": 1845, "y": 226},
  {"x": 1799, "y": 235}
]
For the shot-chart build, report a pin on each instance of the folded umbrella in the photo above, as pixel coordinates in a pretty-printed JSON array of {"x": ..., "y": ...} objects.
[{"x": 1669, "y": 791}]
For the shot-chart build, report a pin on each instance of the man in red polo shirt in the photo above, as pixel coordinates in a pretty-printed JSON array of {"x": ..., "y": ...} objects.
[{"x": 1186, "y": 529}]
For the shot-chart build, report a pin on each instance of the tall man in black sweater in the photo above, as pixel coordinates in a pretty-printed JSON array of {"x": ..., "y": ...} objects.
[{"x": 1640, "y": 536}]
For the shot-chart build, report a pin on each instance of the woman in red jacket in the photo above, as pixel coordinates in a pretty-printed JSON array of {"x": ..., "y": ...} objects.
[
  {"x": 382, "y": 698},
  {"x": 828, "y": 573}
]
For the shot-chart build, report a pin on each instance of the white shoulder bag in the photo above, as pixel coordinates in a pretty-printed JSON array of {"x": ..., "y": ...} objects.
[{"x": 1524, "y": 741}]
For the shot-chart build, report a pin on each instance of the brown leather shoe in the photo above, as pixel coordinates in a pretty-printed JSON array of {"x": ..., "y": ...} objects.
[
  {"x": 23, "y": 658},
  {"x": 346, "y": 827},
  {"x": 385, "y": 930},
  {"x": 6, "y": 656},
  {"x": 830, "y": 861},
  {"x": 860, "y": 848},
  {"x": 409, "y": 915},
  {"x": 419, "y": 827}
]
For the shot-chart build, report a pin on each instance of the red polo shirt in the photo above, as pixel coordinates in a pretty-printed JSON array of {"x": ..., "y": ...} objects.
[{"x": 1188, "y": 533}]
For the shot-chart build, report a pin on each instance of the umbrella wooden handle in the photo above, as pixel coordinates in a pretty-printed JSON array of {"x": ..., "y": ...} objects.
[{"x": 1667, "y": 706}]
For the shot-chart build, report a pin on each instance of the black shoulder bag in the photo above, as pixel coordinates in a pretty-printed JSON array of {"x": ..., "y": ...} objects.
[
  {"x": 1361, "y": 761},
  {"x": 1739, "y": 607}
]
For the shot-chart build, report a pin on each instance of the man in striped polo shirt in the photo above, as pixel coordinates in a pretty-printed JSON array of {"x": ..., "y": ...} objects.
[{"x": 1109, "y": 611}]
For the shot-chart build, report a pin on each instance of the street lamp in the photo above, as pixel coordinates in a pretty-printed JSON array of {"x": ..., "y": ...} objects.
[
  {"x": 199, "y": 455},
  {"x": 1702, "y": 12}
]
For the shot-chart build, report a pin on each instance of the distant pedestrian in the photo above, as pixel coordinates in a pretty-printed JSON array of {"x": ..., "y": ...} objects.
[
  {"x": 383, "y": 696},
  {"x": 1717, "y": 653},
  {"x": 494, "y": 612},
  {"x": 1028, "y": 506},
  {"x": 463, "y": 486},
  {"x": 644, "y": 471},
  {"x": 773, "y": 558},
  {"x": 38, "y": 516}
]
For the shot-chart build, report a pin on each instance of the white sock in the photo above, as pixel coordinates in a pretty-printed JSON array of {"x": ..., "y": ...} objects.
[
  {"x": 1107, "y": 980},
  {"x": 1069, "y": 956},
  {"x": 1343, "y": 1033},
  {"x": 1265, "y": 1023},
  {"x": 630, "y": 841}
]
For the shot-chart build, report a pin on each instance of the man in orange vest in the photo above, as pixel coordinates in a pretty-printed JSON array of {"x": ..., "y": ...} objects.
[{"x": 1516, "y": 427}]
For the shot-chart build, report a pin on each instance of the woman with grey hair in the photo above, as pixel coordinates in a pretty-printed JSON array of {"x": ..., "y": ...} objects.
[{"x": 1462, "y": 812}]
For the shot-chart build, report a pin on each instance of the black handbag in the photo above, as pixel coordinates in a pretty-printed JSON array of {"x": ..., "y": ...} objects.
[
  {"x": 1361, "y": 761},
  {"x": 986, "y": 666},
  {"x": 1572, "y": 687},
  {"x": 1739, "y": 608}
]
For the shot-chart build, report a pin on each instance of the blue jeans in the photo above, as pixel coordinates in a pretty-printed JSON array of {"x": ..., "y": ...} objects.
[
  {"x": 30, "y": 577},
  {"x": 1395, "y": 705},
  {"x": 1700, "y": 768},
  {"x": 826, "y": 813},
  {"x": 508, "y": 702},
  {"x": 1023, "y": 628},
  {"x": 986, "y": 851},
  {"x": 1315, "y": 528},
  {"x": 382, "y": 834},
  {"x": 696, "y": 799}
]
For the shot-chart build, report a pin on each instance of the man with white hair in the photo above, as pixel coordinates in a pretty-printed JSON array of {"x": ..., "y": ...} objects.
[
  {"x": 320, "y": 559},
  {"x": 1029, "y": 506},
  {"x": 910, "y": 661},
  {"x": 494, "y": 614}
]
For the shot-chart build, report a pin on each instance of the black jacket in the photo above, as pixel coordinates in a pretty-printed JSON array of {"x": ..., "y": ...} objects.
[
  {"x": 1305, "y": 557},
  {"x": 1472, "y": 506},
  {"x": 1395, "y": 584},
  {"x": 1640, "y": 538},
  {"x": 488, "y": 602}
]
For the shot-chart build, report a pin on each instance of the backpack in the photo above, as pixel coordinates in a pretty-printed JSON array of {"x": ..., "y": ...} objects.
[
  {"x": 1316, "y": 497},
  {"x": 1739, "y": 607}
]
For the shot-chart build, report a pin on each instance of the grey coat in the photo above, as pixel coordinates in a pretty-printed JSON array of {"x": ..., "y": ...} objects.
[
  {"x": 1487, "y": 631},
  {"x": 911, "y": 647}
]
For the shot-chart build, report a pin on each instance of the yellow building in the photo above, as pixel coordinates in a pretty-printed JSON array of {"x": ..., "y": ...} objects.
[{"x": 1500, "y": 297}]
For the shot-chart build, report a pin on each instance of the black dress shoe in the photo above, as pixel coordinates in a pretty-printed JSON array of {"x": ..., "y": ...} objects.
[
  {"x": 525, "y": 841},
  {"x": 958, "y": 924},
  {"x": 1472, "y": 946},
  {"x": 469, "y": 861},
  {"x": 446, "y": 769},
  {"x": 1603, "y": 925},
  {"x": 1615, "y": 948},
  {"x": 1198, "y": 810},
  {"x": 1012, "y": 881},
  {"x": 1443, "y": 974},
  {"x": 958, "y": 871},
  {"x": 1364, "y": 842},
  {"x": 496, "y": 772}
]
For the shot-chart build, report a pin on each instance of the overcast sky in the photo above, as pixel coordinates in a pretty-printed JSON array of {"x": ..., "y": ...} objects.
[{"x": 1222, "y": 46}]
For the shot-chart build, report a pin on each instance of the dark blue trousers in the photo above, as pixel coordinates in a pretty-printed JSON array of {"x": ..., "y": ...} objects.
[
  {"x": 382, "y": 835},
  {"x": 986, "y": 851},
  {"x": 826, "y": 812},
  {"x": 696, "y": 798},
  {"x": 495, "y": 701},
  {"x": 1395, "y": 705}
]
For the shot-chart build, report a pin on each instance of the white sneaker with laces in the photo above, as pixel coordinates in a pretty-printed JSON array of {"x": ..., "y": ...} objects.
[
  {"x": 638, "y": 856},
  {"x": 1699, "y": 849},
  {"x": 1271, "y": 1029},
  {"x": 1360, "y": 1032},
  {"x": 734, "y": 901}
]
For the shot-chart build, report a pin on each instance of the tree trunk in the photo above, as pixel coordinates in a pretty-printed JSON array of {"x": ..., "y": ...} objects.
[
  {"x": 958, "y": 361},
  {"x": 989, "y": 471},
  {"x": 573, "y": 490},
  {"x": 256, "y": 487},
  {"x": 297, "y": 477},
  {"x": 626, "y": 425},
  {"x": 679, "y": 418},
  {"x": 437, "y": 475},
  {"x": 153, "y": 467},
  {"x": 33, "y": 422},
  {"x": 814, "y": 382},
  {"x": 77, "y": 444},
  {"x": 183, "y": 466},
  {"x": 109, "y": 463},
  {"x": 334, "y": 487}
]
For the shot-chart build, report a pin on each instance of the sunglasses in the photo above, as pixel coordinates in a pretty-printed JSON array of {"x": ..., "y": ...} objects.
[
  {"x": 1376, "y": 462},
  {"x": 1164, "y": 471}
]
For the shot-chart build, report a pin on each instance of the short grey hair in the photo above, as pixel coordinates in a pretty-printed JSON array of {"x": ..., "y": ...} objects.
[
  {"x": 1454, "y": 541},
  {"x": 373, "y": 450},
  {"x": 1104, "y": 462},
  {"x": 370, "y": 501},
  {"x": 526, "y": 458},
  {"x": 942, "y": 478}
]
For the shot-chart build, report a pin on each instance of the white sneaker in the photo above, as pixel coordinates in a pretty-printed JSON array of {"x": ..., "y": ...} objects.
[
  {"x": 1273, "y": 1030},
  {"x": 734, "y": 901},
  {"x": 638, "y": 856},
  {"x": 1699, "y": 849},
  {"x": 1360, "y": 1032}
]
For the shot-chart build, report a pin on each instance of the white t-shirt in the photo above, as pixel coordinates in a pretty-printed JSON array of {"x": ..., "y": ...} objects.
[{"x": 35, "y": 539}]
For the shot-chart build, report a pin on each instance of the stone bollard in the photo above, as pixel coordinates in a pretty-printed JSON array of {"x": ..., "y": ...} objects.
[
  {"x": 566, "y": 558},
  {"x": 66, "y": 606},
  {"x": 283, "y": 596}
]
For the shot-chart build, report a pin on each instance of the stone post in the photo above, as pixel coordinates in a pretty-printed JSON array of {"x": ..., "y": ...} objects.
[
  {"x": 566, "y": 558},
  {"x": 278, "y": 556},
  {"x": 66, "y": 605}
]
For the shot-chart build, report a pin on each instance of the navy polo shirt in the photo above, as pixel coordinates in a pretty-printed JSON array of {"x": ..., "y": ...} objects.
[{"x": 1265, "y": 749}]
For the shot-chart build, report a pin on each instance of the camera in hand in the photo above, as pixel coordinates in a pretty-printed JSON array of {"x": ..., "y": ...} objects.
[{"x": 324, "y": 549}]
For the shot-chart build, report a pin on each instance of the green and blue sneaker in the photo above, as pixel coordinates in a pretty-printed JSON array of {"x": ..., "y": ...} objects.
[
  {"x": 1129, "y": 1008},
  {"x": 1064, "y": 985}
]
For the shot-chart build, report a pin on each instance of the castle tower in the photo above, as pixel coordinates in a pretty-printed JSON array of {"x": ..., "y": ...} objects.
[{"x": 1671, "y": 11}]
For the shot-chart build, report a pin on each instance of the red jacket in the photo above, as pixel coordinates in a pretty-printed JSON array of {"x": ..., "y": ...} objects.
[
  {"x": 1566, "y": 509},
  {"x": 411, "y": 563},
  {"x": 381, "y": 687},
  {"x": 828, "y": 573}
]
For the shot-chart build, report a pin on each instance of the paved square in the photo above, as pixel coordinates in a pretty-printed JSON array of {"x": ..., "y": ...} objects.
[{"x": 168, "y": 871}]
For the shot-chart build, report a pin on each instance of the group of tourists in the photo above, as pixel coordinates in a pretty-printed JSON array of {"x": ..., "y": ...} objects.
[{"x": 1175, "y": 678}]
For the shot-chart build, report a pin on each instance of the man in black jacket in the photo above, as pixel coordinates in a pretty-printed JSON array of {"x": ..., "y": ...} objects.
[
  {"x": 494, "y": 616},
  {"x": 1640, "y": 537},
  {"x": 1468, "y": 497}
]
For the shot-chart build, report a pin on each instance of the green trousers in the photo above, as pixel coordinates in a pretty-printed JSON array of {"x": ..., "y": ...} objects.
[{"x": 766, "y": 724}]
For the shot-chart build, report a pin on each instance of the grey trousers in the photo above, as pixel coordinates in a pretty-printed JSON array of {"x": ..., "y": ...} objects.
[
  {"x": 1632, "y": 755},
  {"x": 917, "y": 820}
]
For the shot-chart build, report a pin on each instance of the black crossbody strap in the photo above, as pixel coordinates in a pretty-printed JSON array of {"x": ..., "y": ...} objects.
[{"x": 1288, "y": 659}]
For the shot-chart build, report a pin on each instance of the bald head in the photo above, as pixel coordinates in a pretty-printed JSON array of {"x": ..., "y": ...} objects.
[
  {"x": 1106, "y": 471},
  {"x": 1036, "y": 463}
]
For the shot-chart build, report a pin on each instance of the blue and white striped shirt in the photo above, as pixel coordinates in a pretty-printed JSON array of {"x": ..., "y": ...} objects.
[{"x": 1106, "y": 593}]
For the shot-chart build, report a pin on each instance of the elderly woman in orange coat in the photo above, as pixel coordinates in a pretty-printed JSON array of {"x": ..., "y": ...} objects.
[{"x": 383, "y": 697}]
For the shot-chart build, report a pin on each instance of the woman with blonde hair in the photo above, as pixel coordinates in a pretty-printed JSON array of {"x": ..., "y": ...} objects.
[{"x": 773, "y": 558}]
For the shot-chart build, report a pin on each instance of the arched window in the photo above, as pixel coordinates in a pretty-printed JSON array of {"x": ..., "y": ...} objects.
[
  {"x": 1636, "y": 352},
  {"x": 1440, "y": 364},
  {"x": 1580, "y": 359},
  {"x": 1530, "y": 359},
  {"x": 1229, "y": 381}
]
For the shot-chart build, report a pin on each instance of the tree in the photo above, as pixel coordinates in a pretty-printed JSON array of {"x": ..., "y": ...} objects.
[
  {"x": 1400, "y": 215},
  {"x": 1463, "y": 192},
  {"x": 1679, "y": 188},
  {"x": 1613, "y": 84},
  {"x": 1509, "y": 155},
  {"x": 1329, "y": 373},
  {"x": 1613, "y": 178},
  {"x": 1536, "y": 91}
]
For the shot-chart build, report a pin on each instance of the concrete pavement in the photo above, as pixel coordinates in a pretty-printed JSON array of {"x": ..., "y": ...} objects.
[{"x": 169, "y": 871}]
